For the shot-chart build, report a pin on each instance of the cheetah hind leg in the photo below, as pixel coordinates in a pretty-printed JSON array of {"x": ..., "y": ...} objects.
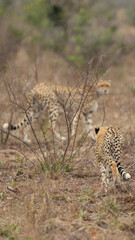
[
  {"x": 53, "y": 118},
  {"x": 104, "y": 178},
  {"x": 89, "y": 125},
  {"x": 107, "y": 187},
  {"x": 116, "y": 177},
  {"x": 26, "y": 132}
]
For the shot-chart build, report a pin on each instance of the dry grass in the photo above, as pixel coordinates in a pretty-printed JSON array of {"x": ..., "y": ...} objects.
[{"x": 68, "y": 205}]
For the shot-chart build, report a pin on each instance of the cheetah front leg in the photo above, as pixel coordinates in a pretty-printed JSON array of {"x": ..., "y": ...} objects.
[
  {"x": 74, "y": 123},
  {"x": 26, "y": 132},
  {"x": 89, "y": 125},
  {"x": 53, "y": 115},
  {"x": 116, "y": 176}
]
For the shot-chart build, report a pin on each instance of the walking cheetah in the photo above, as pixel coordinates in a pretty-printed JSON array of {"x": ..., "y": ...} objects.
[
  {"x": 109, "y": 144},
  {"x": 51, "y": 98}
]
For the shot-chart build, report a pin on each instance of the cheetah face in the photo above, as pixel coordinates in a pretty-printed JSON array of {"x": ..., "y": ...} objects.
[{"x": 103, "y": 87}]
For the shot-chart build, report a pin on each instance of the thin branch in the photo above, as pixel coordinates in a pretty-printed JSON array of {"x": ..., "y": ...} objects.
[
  {"x": 82, "y": 101},
  {"x": 15, "y": 151},
  {"x": 103, "y": 114},
  {"x": 105, "y": 73},
  {"x": 28, "y": 145},
  {"x": 15, "y": 102}
]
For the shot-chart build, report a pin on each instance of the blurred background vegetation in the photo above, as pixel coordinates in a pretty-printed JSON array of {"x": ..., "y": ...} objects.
[{"x": 75, "y": 29}]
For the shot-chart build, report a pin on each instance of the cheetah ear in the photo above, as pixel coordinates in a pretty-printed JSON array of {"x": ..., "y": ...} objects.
[
  {"x": 97, "y": 130},
  {"x": 109, "y": 81}
]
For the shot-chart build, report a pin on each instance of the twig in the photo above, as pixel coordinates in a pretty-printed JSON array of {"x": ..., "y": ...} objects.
[
  {"x": 13, "y": 190},
  {"x": 130, "y": 166},
  {"x": 8, "y": 87},
  {"x": 105, "y": 73},
  {"x": 103, "y": 114},
  {"x": 29, "y": 146},
  {"x": 19, "y": 153},
  {"x": 82, "y": 101},
  {"x": 7, "y": 136}
]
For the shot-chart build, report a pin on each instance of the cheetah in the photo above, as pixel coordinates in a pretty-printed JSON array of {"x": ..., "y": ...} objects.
[
  {"x": 109, "y": 144},
  {"x": 52, "y": 97}
]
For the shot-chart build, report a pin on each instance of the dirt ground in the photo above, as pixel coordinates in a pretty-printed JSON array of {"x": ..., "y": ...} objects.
[{"x": 68, "y": 204}]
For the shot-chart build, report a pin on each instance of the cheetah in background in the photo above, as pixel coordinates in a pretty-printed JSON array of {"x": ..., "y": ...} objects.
[
  {"x": 109, "y": 144},
  {"x": 51, "y": 98}
]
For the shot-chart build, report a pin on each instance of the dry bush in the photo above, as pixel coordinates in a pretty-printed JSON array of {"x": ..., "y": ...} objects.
[{"x": 53, "y": 155}]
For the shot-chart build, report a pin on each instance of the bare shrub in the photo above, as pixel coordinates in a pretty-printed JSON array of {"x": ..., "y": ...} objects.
[{"x": 53, "y": 155}]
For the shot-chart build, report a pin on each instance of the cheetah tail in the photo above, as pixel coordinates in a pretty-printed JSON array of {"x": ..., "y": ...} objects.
[
  {"x": 15, "y": 127},
  {"x": 125, "y": 176}
]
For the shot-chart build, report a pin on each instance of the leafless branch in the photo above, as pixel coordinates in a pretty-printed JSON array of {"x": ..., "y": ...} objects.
[
  {"x": 14, "y": 101},
  {"x": 103, "y": 114},
  {"x": 26, "y": 144}
]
